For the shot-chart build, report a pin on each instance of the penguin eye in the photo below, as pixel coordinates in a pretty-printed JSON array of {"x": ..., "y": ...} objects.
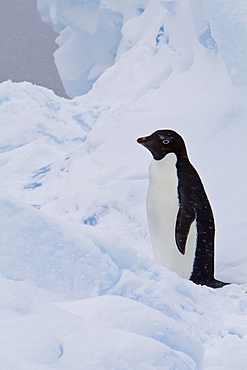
[{"x": 166, "y": 141}]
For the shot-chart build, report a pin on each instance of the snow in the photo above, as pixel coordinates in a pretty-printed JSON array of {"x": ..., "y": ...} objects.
[
  {"x": 94, "y": 34},
  {"x": 79, "y": 284},
  {"x": 229, "y": 28}
]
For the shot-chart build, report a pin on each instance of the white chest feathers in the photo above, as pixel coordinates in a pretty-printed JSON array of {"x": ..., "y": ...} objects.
[{"x": 162, "y": 210}]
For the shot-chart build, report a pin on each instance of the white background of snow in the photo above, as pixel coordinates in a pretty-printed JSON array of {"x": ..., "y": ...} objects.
[
  {"x": 94, "y": 34},
  {"x": 79, "y": 287}
]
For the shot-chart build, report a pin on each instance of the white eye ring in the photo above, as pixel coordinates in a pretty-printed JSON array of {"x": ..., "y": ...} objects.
[{"x": 165, "y": 141}]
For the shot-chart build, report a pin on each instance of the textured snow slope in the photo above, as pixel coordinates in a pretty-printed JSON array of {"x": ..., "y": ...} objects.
[{"x": 94, "y": 34}]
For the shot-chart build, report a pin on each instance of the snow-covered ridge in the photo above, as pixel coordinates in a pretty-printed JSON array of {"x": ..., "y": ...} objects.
[{"x": 93, "y": 35}]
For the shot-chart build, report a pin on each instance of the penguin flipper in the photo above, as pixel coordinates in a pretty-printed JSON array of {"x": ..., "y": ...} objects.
[{"x": 185, "y": 217}]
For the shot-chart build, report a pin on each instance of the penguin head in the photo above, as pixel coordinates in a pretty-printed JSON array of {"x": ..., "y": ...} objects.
[{"x": 162, "y": 142}]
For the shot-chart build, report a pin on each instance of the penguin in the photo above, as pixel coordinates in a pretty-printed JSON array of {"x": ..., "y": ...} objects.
[{"x": 180, "y": 218}]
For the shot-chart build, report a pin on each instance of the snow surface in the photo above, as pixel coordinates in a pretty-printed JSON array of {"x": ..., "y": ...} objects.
[
  {"x": 79, "y": 286},
  {"x": 94, "y": 34}
]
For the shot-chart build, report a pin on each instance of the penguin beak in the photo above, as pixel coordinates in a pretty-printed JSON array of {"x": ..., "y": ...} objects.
[{"x": 142, "y": 140}]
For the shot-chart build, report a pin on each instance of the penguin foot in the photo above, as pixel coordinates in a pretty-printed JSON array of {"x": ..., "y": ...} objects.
[
  {"x": 216, "y": 284},
  {"x": 212, "y": 283}
]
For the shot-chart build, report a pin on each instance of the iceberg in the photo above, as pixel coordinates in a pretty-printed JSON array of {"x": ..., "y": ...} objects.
[{"x": 93, "y": 35}]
